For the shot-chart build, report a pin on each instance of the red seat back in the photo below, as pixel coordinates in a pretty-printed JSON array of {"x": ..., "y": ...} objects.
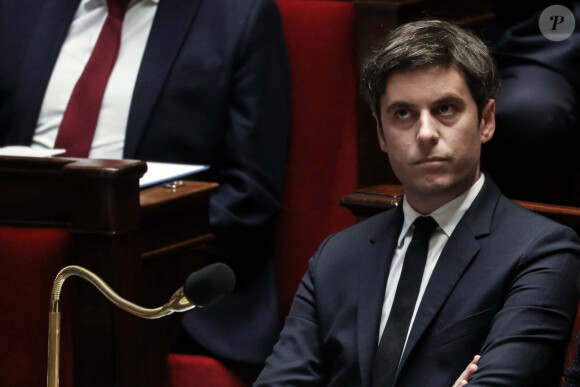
[
  {"x": 322, "y": 162},
  {"x": 30, "y": 260},
  {"x": 572, "y": 346}
]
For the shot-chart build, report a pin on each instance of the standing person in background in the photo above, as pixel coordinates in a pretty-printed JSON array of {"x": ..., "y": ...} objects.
[{"x": 194, "y": 81}]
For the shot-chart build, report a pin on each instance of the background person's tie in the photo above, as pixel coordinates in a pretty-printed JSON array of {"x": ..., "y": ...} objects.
[
  {"x": 393, "y": 339},
  {"x": 79, "y": 121}
]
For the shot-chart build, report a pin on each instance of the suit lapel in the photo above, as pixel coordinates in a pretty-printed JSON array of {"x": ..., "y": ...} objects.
[
  {"x": 374, "y": 270},
  {"x": 458, "y": 253},
  {"x": 170, "y": 27},
  {"x": 55, "y": 17}
]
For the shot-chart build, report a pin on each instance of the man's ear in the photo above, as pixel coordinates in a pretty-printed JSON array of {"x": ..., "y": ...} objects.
[
  {"x": 487, "y": 124},
  {"x": 380, "y": 134}
]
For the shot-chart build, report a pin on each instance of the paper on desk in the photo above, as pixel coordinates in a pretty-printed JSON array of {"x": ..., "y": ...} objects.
[
  {"x": 26, "y": 151},
  {"x": 156, "y": 172},
  {"x": 161, "y": 172}
]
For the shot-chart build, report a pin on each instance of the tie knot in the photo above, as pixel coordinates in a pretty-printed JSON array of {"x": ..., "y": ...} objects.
[
  {"x": 424, "y": 227},
  {"x": 117, "y": 8}
]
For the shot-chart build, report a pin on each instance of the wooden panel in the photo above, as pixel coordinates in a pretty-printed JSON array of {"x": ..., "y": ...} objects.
[
  {"x": 370, "y": 201},
  {"x": 84, "y": 195},
  {"x": 114, "y": 226},
  {"x": 175, "y": 218}
]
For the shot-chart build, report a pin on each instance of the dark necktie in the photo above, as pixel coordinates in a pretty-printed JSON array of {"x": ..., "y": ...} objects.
[
  {"x": 393, "y": 339},
  {"x": 79, "y": 121}
]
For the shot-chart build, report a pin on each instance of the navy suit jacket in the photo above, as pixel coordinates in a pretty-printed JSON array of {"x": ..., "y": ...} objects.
[
  {"x": 213, "y": 88},
  {"x": 505, "y": 287},
  {"x": 515, "y": 38}
]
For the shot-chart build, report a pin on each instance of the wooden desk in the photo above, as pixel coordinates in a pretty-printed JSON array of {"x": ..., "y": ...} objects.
[
  {"x": 369, "y": 201},
  {"x": 132, "y": 239}
]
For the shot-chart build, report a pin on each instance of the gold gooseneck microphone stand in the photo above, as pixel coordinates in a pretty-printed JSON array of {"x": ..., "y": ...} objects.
[{"x": 177, "y": 303}]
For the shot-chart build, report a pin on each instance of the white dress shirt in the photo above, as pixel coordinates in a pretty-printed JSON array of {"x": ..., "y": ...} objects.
[
  {"x": 79, "y": 43},
  {"x": 447, "y": 217}
]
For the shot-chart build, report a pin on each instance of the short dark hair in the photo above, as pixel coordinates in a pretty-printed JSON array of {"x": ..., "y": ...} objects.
[{"x": 431, "y": 42}]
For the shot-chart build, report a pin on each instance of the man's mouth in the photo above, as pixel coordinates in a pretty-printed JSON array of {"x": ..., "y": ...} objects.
[{"x": 431, "y": 160}]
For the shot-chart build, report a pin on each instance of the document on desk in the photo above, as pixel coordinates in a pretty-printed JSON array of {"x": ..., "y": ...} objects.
[
  {"x": 162, "y": 172},
  {"x": 26, "y": 151},
  {"x": 157, "y": 172}
]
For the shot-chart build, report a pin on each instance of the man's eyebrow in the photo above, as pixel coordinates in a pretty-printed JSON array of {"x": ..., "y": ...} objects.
[
  {"x": 450, "y": 98},
  {"x": 396, "y": 105}
]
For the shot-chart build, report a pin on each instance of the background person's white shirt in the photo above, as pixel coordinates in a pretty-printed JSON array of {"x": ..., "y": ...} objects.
[{"x": 81, "y": 38}]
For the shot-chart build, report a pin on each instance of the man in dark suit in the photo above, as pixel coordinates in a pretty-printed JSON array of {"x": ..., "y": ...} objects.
[
  {"x": 498, "y": 280},
  {"x": 211, "y": 86}
]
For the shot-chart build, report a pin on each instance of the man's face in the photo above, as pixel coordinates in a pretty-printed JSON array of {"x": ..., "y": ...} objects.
[{"x": 432, "y": 133}]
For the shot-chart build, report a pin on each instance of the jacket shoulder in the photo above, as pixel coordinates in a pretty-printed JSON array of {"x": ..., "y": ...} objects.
[{"x": 355, "y": 241}]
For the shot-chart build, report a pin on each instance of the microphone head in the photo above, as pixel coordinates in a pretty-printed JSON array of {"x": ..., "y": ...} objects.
[{"x": 208, "y": 284}]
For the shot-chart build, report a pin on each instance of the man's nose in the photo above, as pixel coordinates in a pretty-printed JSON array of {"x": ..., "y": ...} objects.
[{"x": 428, "y": 129}]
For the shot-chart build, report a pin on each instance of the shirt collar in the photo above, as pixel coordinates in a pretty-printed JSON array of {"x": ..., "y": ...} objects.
[{"x": 448, "y": 215}]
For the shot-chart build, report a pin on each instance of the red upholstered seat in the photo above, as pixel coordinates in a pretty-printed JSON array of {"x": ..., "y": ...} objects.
[
  {"x": 572, "y": 346},
  {"x": 322, "y": 161},
  {"x": 188, "y": 370},
  {"x": 30, "y": 260}
]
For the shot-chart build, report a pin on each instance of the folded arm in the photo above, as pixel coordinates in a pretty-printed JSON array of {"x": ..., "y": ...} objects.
[{"x": 528, "y": 335}]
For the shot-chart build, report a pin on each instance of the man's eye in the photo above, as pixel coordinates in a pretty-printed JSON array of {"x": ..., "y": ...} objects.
[
  {"x": 446, "y": 109},
  {"x": 402, "y": 113}
]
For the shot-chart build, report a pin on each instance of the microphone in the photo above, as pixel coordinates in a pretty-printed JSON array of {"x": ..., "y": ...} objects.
[
  {"x": 201, "y": 289},
  {"x": 209, "y": 284}
]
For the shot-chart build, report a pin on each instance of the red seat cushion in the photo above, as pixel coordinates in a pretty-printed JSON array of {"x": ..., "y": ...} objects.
[{"x": 192, "y": 370}]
